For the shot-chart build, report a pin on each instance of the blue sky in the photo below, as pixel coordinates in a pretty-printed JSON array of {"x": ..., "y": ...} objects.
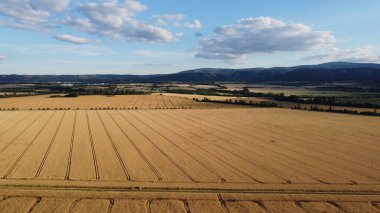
[{"x": 165, "y": 36}]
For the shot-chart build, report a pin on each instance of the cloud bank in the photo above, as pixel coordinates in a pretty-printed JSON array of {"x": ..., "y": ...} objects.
[
  {"x": 115, "y": 19},
  {"x": 261, "y": 35}
]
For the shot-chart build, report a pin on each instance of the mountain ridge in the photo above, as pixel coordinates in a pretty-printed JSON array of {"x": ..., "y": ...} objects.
[{"x": 327, "y": 72}]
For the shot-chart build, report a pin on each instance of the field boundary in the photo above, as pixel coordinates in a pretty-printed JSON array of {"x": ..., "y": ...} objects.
[{"x": 183, "y": 190}]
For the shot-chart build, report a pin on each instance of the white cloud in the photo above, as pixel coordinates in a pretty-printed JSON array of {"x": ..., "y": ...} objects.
[
  {"x": 195, "y": 25},
  {"x": 117, "y": 20},
  {"x": 169, "y": 19},
  {"x": 30, "y": 14},
  {"x": 22, "y": 14},
  {"x": 176, "y": 20},
  {"x": 3, "y": 57},
  {"x": 362, "y": 55},
  {"x": 72, "y": 39},
  {"x": 51, "y": 5},
  {"x": 261, "y": 35}
]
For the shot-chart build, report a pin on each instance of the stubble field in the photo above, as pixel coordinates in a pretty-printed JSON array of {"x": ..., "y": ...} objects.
[
  {"x": 198, "y": 160},
  {"x": 122, "y": 102}
]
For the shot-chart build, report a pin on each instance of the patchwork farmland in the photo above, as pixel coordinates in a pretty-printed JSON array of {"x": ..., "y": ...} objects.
[{"x": 223, "y": 160}]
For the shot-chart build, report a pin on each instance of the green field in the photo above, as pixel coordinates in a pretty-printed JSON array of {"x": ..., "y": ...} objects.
[{"x": 360, "y": 100}]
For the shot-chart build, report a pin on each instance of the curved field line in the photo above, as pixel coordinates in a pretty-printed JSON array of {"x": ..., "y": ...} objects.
[
  {"x": 279, "y": 153},
  {"x": 222, "y": 203},
  {"x": 336, "y": 205},
  {"x": 27, "y": 147},
  {"x": 38, "y": 200},
  {"x": 112, "y": 201},
  {"x": 299, "y": 205},
  {"x": 72, "y": 206},
  {"x": 114, "y": 148},
  {"x": 50, "y": 145},
  {"x": 154, "y": 170},
  {"x": 238, "y": 156},
  {"x": 303, "y": 153},
  {"x": 92, "y": 148},
  {"x": 186, "y": 205},
  {"x": 184, "y": 202},
  {"x": 160, "y": 150},
  {"x": 148, "y": 205},
  {"x": 212, "y": 171},
  {"x": 67, "y": 176},
  {"x": 258, "y": 202}
]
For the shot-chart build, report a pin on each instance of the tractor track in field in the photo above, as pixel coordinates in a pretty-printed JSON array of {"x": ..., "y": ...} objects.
[
  {"x": 27, "y": 148},
  {"x": 92, "y": 148},
  {"x": 114, "y": 148},
  {"x": 148, "y": 163},
  {"x": 220, "y": 128},
  {"x": 212, "y": 171},
  {"x": 236, "y": 155},
  {"x": 22, "y": 132},
  {"x": 68, "y": 167},
  {"x": 50, "y": 145},
  {"x": 160, "y": 150}
]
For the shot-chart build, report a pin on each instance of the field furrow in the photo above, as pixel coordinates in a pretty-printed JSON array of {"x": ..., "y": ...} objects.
[
  {"x": 140, "y": 170},
  {"x": 18, "y": 147},
  {"x": 167, "y": 170},
  {"x": 104, "y": 151},
  {"x": 366, "y": 175},
  {"x": 282, "y": 163},
  {"x": 82, "y": 166},
  {"x": 56, "y": 161},
  {"x": 29, "y": 165}
]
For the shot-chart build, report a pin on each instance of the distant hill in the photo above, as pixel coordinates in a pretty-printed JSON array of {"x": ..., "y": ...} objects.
[{"x": 328, "y": 72}]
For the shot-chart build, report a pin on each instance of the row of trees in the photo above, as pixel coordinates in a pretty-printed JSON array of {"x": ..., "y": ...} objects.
[
  {"x": 302, "y": 100},
  {"x": 240, "y": 102},
  {"x": 343, "y": 111}
]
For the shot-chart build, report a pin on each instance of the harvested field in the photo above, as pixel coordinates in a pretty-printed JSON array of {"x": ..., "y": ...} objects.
[
  {"x": 223, "y": 160},
  {"x": 37, "y": 201},
  {"x": 154, "y": 101}
]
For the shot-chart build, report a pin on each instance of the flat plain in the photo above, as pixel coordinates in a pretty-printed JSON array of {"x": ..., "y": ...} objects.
[
  {"x": 188, "y": 160},
  {"x": 154, "y": 101}
]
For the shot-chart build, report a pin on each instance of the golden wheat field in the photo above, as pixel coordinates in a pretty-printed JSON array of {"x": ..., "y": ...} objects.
[
  {"x": 154, "y": 101},
  {"x": 188, "y": 160}
]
